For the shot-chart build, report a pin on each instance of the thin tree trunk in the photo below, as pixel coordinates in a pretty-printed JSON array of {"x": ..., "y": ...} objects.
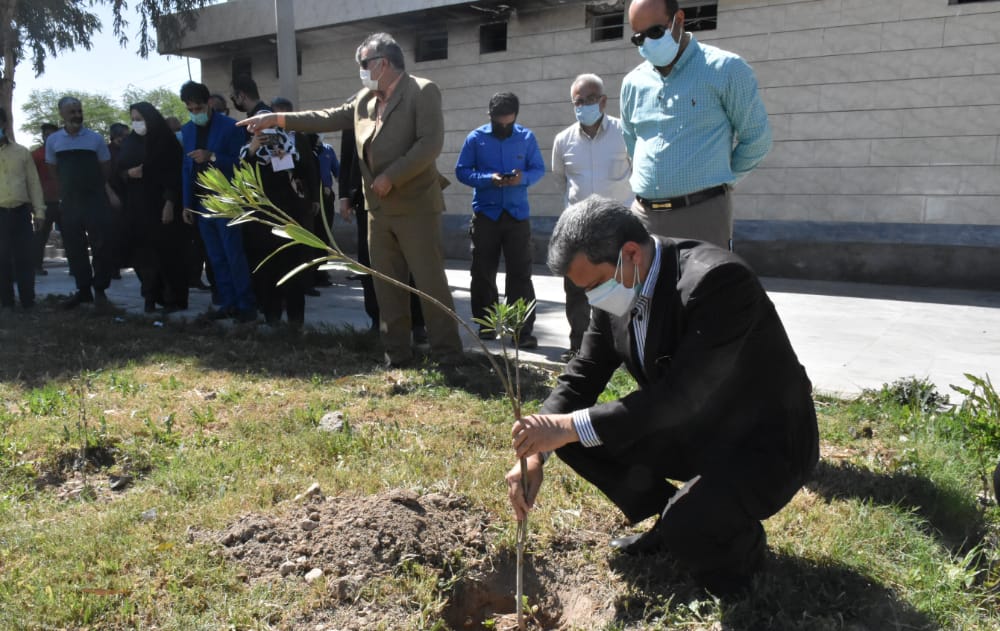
[{"x": 8, "y": 39}]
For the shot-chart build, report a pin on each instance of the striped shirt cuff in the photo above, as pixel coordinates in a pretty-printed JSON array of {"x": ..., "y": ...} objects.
[{"x": 585, "y": 429}]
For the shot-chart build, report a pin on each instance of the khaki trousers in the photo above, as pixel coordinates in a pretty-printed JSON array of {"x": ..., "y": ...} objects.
[{"x": 400, "y": 245}]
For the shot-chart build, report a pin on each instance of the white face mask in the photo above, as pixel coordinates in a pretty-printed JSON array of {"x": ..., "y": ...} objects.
[
  {"x": 614, "y": 297},
  {"x": 139, "y": 127},
  {"x": 366, "y": 79}
]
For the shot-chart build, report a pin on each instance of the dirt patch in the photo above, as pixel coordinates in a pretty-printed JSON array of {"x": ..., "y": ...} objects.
[
  {"x": 357, "y": 538},
  {"x": 344, "y": 545}
]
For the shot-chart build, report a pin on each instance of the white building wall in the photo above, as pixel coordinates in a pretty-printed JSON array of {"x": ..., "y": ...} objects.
[{"x": 886, "y": 113}]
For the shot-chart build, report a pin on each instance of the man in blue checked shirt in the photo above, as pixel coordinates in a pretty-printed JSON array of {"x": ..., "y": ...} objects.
[
  {"x": 500, "y": 161},
  {"x": 694, "y": 124}
]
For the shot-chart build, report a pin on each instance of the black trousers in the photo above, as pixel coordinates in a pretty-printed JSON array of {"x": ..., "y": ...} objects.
[
  {"x": 577, "y": 313},
  {"x": 82, "y": 225},
  {"x": 490, "y": 239},
  {"x": 16, "y": 253},
  {"x": 713, "y": 527},
  {"x": 43, "y": 231}
]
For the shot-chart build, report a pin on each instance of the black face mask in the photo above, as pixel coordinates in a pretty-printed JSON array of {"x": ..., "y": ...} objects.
[
  {"x": 501, "y": 131},
  {"x": 236, "y": 104}
]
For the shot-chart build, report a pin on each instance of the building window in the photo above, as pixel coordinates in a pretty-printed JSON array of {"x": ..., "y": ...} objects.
[
  {"x": 493, "y": 38},
  {"x": 242, "y": 66},
  {"x": 605, "y": 24},
  {"x": 700, "y": 15},
  {"x": 431, "y": 46}
]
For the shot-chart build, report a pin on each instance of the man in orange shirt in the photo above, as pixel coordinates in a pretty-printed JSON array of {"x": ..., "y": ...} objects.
[{"x": 50, "y": 190}]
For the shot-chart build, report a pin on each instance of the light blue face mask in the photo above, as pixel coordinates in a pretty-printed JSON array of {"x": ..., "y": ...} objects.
[
  {"x": 587, "y": 115},
  {"x": 200, "y": 119},
  {"x": 660, "y": 52},
  {"x": 613, "y": 296}
]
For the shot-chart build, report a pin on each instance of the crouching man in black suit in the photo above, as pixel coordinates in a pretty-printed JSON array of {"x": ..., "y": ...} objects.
[{"x": 722, "y": 404}]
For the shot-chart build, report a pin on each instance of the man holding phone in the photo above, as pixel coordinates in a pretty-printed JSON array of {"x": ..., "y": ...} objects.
[{"x": 500, "y": 160}]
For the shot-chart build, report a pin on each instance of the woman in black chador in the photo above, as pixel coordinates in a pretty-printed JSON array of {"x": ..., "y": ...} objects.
[{"x": 150, "y": 167}]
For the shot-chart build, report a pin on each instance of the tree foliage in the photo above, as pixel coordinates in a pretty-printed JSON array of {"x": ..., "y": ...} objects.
[
  {"x": 99, "y": 110},
  {"x": 44, "y": 28}
]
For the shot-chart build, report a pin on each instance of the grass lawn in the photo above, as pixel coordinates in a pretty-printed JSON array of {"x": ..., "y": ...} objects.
[{"x": 154, "y": 478}]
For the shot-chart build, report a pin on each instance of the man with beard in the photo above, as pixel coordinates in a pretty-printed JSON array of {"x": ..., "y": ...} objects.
[
  {"x": 82, "y": 163},
  {"x": 500, "y": 160}
]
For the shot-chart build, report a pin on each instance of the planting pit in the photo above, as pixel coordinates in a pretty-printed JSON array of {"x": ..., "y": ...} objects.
[{"x": 345, "y": 547}]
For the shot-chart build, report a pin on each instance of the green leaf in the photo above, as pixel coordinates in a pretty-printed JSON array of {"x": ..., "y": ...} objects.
[{"x": 305, "y": 237}]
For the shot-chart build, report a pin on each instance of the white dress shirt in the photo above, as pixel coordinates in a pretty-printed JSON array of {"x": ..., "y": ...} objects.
[{"x": 593, "y": 165}]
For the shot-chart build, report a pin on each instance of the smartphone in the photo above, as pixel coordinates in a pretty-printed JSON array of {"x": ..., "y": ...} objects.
[
  {"x": 509, "y": 176},
  {"x": 270, "y": 137}
]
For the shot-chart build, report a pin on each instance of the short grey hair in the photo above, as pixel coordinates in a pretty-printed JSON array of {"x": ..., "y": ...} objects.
[
  {"x": 383, "y": 45},
  {"x": 587, "y": 77},
  {"x": 597, "y": 227},
  {"x": 66, "y": 100}
]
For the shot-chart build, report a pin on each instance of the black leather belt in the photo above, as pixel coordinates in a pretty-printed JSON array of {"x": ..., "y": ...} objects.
[{"x": 684, "y": 200}]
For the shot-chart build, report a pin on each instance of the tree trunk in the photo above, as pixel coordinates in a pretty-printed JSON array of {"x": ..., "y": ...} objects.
[{"x": 8, "y": 39}]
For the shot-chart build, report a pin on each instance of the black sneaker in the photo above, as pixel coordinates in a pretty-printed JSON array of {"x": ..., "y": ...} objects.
[{"x": 485, "y": 334}]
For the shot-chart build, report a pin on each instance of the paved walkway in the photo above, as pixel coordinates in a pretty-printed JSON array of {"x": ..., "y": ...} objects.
[{"x": 848, "y": 336}]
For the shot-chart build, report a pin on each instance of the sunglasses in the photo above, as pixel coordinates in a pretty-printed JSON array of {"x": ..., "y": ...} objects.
[
  {"x": 364, "y": 62},
  {"x": 655, "y": 31}
]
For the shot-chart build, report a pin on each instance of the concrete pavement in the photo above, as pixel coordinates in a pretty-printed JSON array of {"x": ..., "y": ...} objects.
[{"x": 848, "y": 336}]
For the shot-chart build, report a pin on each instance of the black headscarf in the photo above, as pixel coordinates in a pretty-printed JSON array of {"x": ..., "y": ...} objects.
[{"x": 161, "y": 143}]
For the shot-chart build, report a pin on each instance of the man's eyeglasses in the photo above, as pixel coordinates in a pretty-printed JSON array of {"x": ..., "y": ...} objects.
[
  {"x": 655, "y": 31},
  {"x": 593, "y": 99},
  {"x": 364, "y": 62}
]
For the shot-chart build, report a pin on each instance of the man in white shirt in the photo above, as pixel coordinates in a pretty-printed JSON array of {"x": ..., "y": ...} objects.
[{"x": 589, "y": 157}]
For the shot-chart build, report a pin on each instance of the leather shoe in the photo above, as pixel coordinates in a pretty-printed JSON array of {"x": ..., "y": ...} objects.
[
  {"x": 649, "y": 542},
  {"x": 420, "y": 335},
  {"x": 80, "y": 297},
  {"x": 527, "y": 341}
]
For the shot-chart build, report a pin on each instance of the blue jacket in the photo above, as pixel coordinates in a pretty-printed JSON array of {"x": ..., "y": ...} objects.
[
  {"x": 225, "y": 140},
  {"x": 483, "y": 154}
]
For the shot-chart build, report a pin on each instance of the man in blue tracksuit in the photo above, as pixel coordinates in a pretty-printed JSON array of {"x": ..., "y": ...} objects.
[
  {"x": 500, "y": 161},
  {"x": 213, "y": 139}
]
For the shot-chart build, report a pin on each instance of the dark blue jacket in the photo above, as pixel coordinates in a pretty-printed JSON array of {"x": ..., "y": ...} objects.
[
  {"x": 225, "y": 140},
  {"x": 483, "y": 154}
]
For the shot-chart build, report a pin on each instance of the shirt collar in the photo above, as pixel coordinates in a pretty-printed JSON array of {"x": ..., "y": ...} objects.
[
  {"x": 600, "y": 129},
  {"x": 390, "y": 89},
  {"x": 649, "y": 285}
]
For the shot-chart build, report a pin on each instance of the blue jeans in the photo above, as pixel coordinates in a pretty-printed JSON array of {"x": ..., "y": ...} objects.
[{"x": 224, "y": 247}]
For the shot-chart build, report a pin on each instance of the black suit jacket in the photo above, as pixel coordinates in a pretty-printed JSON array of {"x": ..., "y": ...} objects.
[{"x": 719, "y": 375}]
